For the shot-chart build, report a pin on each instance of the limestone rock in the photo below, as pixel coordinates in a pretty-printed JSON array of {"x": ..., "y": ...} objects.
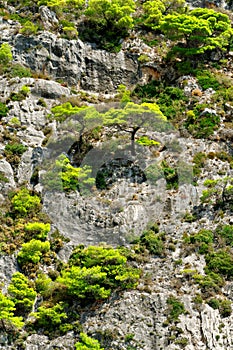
[{"x": 75, "y": 62}]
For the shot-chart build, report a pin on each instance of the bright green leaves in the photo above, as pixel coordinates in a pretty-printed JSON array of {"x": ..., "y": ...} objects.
[
  {"x": 80, "y": 119},
  {"x": 113, "y": 13},
  {"x": 108, "y": 21},
  {"x": 155, "y": 10},
  {"x": 7, "y": 308},
  {"x": 24, "y": 203},
  {"x": 28, "y": 29},
  {"x": 87, "y": 343},
  {"x": 61, "y": 112},
  {"x": 176, "y": 308},
  {"x": 95, "y": 255},
  {"x": 202, "y": 30},
  {"x": 68, "y": 178},
  {"x": 49, "y": 317},
  {"x": 37, "y": 230},
  {"x": 220, "y": 261},
  {"x": 21, "y": 293},
  {"x": 32, "y": 252},
  {"x": 85, "y": 282},
  {"x": 5, "y": 54},
  {"x": 98, "y": 270}
]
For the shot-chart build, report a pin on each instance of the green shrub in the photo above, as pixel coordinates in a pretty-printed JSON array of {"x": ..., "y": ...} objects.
[
  {"x": 153, "y": 173},
  {"x": 98, "y": 271},
  {"x": 28, "y": 29},
  {"x": 170, "y": 175},
  {"x": 146, "y": 141},
  {"x": 220, "y": 261},
  {"x": 3, "y": 178},
  {"x": 210, "y": 283},
  {"x": 37, "y": 230},
  {"x": 44, "y": 285},
  {"x": 7, "y": 309},
  {"x": 50, "y": 317},
  {"x": 87, "y": 343},
  {"x": 21, "y": 95},
  {"x": 85, "y": 283},
  {"x": 21, "y": 293},
  {"x": 17, "y": 70},
  {"x": 207, "y": 80},
  {"x": 5, "y": 54},
  {"x": 176, "y": 308},
  {"x": 199, "y": 125},
  {"x": 24, "y": 203},
  {"x": 225, "y": 232},
  {"x": 153, "y": 242},
  {"x": 66, "y": 177},
  {"x": 225, "y": 308},
  {"x": 202, "y": 240},
  {"x": 219, "y": 192},
  {"x": 15, "y": 148},
  {"x": 15, "y": 122},
  {"x": 214, "y": 303},
  {"x": 32, "y": 252},
  {"x": 3, "y": 110}
]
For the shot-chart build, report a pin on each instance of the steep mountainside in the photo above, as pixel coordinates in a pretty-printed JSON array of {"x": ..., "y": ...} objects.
[{"x": 116, "y": 180}]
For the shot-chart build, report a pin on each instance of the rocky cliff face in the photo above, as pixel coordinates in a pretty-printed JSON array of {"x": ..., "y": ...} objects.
[
  {"x": 139, "y": 319},
  {"x": 74, "y": 62}
]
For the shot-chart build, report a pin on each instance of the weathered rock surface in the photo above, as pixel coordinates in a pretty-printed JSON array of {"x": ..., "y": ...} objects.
[{"x": 75, "y": 62}]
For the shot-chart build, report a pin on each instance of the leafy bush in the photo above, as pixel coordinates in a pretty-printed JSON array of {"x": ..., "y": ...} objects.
[
  {"x": 153, "y": 173},
  {"x": 44, "y": 285},
  {"x": 17, "y": 70},
  {"x": 37, "y": 230},
  {"x": 170, "y": 175},
  {"x": 3, "y": 178},
  {"x": 207, "y": 80},
  {"x": 153, "y": 242},
  {"x": 201, "y": 125},
  {"x": 5, "y": 54},
  {"x": 87, "y": 343},
  {"x": 220, "y": 261},
  {"x": 21, "y": 293},
  {"x": 210, "y": 283},
  {"x": 226, "y": 233},
  {"x": 3, "y": 110},
  {"x": 85, "y": 283},
  {"x": 176, "y": 308},
  {"x": 201, "y": 240},
  {"x": 28, "y": 29},
  {"x": 15, "y": 149},
  {"x": 50, "y": 317},
  {"x": 214, "y": 303},
  {"x": 32, "y": 252},
  {"x": 7, "y": 308},
  {"x": 21, "y": 95},
  {"x": 99, "y": 270},
  {"x": 145, "y": 141},
  {"x": 224, "y": 306},
  {"x": 66, "y": 177},
  {"x": 219, "y": 192},
  {"x": 24, "y": 203}
]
